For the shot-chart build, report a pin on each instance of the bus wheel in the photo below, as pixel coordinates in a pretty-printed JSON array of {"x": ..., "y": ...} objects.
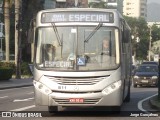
[
  {"x": 52, "y": 109},
  {"x": 127, "y": 99}
]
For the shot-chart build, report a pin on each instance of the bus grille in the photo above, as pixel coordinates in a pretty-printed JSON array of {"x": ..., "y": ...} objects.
[
  {"x": 86, "y": 101},
  {"x": 76, "y": 81}
]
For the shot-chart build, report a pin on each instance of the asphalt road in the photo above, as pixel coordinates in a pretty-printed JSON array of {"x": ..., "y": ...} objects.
[{"x": 22, "y": 99}]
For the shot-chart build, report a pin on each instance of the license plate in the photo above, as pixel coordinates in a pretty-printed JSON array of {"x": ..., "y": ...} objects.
[
  {"x": 76, "y": 100},
  {"x": 145, "y": 81}
]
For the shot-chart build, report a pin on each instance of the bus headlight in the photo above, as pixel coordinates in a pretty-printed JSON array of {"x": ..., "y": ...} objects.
[
  {"x": 44, "y": 89},
  {"x": 136, "y": 77},
  {"x": 114, "y": 86}
]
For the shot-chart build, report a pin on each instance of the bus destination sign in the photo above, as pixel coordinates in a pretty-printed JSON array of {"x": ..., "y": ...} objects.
[{"x": 49, "y": 17}]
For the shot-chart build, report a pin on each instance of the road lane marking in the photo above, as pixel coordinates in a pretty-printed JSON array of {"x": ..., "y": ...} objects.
[
  {"x": 30, "y": 93},
  {"x": 140, "y": 107},
  {"x": 4, "y": 97},
  {"x": 21, "y": 100},
  {"x": 24, "y": 108}
]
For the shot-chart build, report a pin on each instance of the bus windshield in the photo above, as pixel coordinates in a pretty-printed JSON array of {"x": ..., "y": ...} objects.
[{"x": 72, "y": 52}]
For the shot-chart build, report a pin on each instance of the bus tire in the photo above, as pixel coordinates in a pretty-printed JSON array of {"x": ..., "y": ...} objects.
[
  {"x": 52, "y": 109},
  {"x": 127, "y": 99}
]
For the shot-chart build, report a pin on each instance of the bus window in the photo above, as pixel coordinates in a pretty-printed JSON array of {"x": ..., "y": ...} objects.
[{"x": 74, "y": 48}]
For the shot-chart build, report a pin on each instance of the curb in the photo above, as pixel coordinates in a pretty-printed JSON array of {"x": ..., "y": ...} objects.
[
  {"x": 18, "y": 86},
  {"x": 154, "y": 102}
]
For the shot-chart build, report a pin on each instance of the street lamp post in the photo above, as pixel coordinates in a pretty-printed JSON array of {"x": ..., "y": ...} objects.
[
  {"x": 1, "y": 50},
  {"x": 137, "y": 40},
  {"x": 150, "y": 41}
]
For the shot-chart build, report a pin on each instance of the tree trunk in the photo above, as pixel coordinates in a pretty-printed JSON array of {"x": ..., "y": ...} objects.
[
  {"x": 16, "y": 29},
  {"x": 18, "y": 38},
  {"x": 7, "y": 27}
]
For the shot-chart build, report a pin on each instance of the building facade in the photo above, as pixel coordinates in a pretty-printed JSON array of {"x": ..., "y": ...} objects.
[{"x": 135, "y": 8}]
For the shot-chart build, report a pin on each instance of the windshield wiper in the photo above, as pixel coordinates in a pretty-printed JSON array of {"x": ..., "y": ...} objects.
[
  {"x": 57, "y": 34},
  {"x": 93, "y": 32}
]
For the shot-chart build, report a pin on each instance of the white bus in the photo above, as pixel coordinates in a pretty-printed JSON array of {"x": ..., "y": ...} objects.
[{"x": 78, "y": 71}]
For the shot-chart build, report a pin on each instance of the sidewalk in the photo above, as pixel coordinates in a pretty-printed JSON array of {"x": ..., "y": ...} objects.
[
  {"x": 154, "y": 102},
  {"x": 15, "y": 83}
]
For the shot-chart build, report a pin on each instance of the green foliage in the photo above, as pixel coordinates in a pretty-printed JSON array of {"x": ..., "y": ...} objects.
[
  {"x": 6, "y": 73},
  {"x": 139, "y": 29},
  {"x": 142, "y": 49},
  {"x": 29, "y": 11},
  {"x": 7, "y": 65},
  {"x": 98, "y": 5},
  {"x": 6, "y": 70},
  {"x": 25, "y": 69},
  {"x": 155, "y": 33}
]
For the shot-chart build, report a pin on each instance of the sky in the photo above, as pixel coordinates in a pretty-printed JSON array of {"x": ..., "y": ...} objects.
[
  {"x": 151, "y": 1},
  {"x": 153, "y": 16}
]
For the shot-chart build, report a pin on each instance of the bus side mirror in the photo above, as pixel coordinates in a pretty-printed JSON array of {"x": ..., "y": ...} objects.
[{"x": 31, "y": 67}]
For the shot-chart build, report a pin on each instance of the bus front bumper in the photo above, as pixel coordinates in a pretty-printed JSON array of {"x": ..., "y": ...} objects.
[
  {"x": 86, "y": 99},
  {"x": 105, "y": 97}
]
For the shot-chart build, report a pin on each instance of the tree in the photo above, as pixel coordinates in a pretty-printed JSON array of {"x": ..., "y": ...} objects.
[
  {"x": 25, "y": 11},
  {"x": 143, "y": 33},
  {"x": 17, "y": 38},
  {"x": 101, "y": 4},
  {"x": 139, "y": 29},
  {"x": 7, "y": 26},
  {"x": 155, "y": 33},
  {"x": 29, "y": 11}
]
